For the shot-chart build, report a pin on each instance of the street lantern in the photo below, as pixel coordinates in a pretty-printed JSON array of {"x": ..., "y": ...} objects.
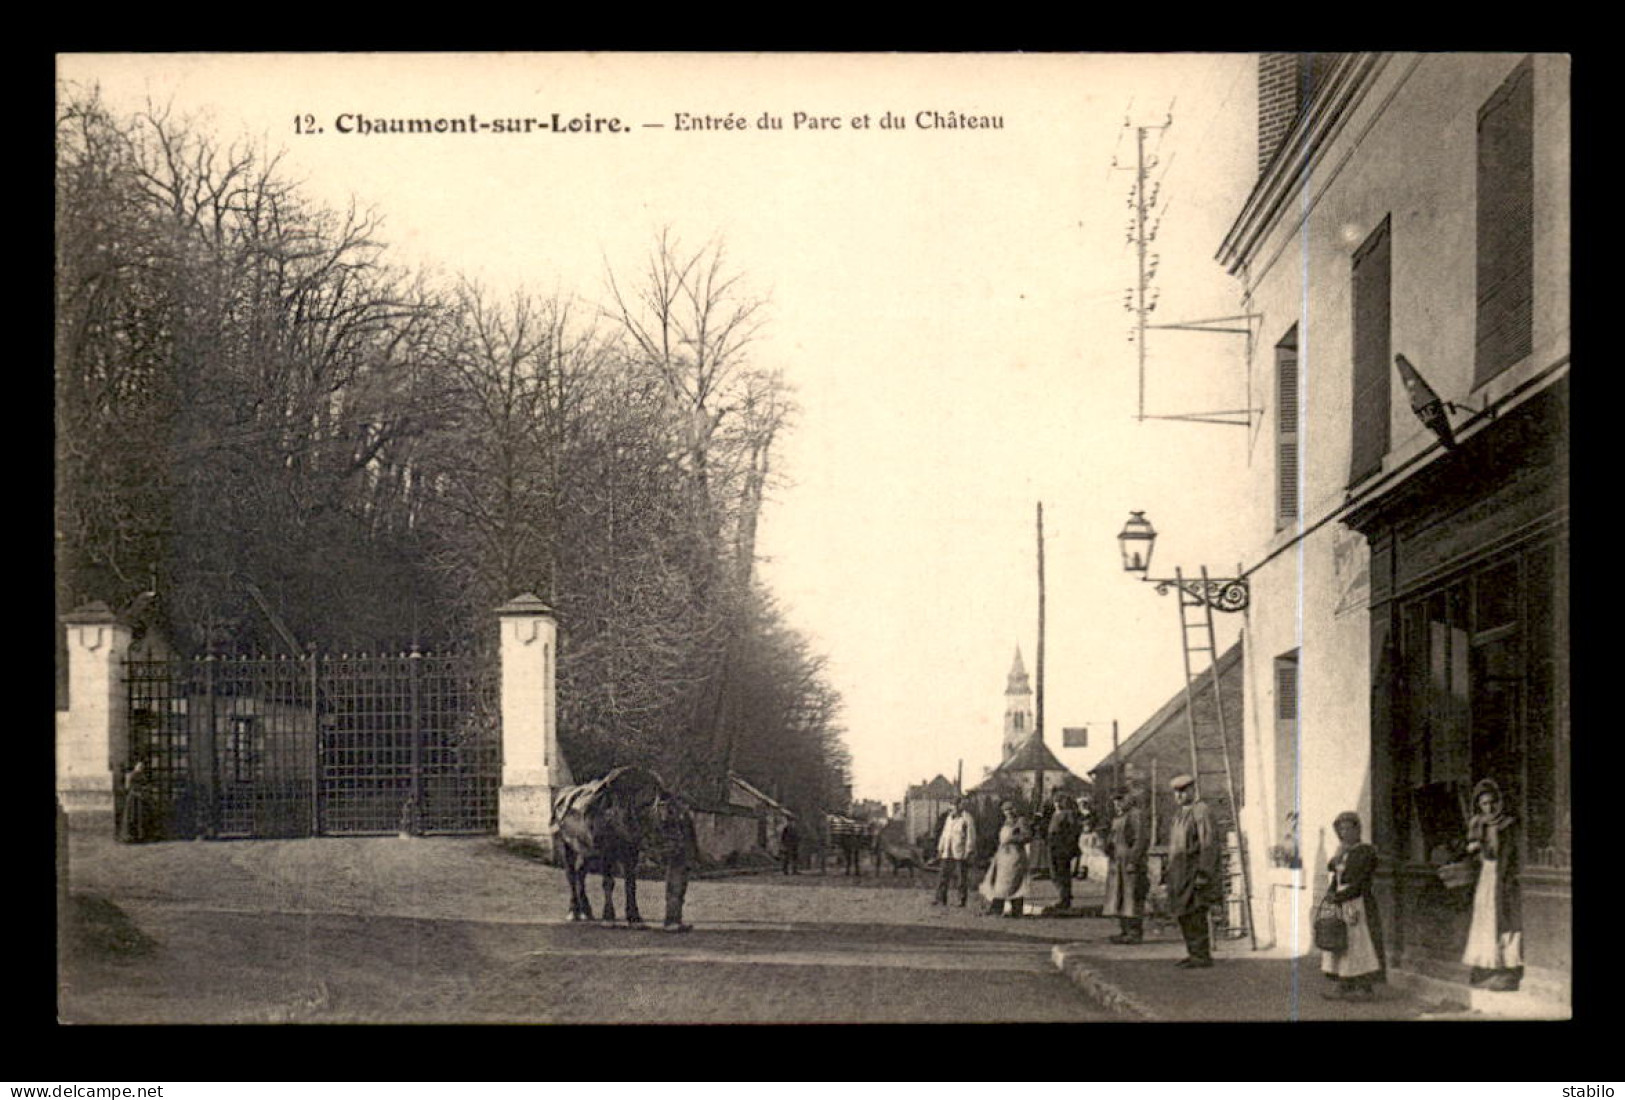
[
  {"x": 1137, "y": 538},
  {"x": 1221, "y": 594}
]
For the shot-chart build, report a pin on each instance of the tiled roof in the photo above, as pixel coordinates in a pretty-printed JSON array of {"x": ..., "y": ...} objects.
[
  {"x": 940, "y": 787},
  {"x": 1030, "y": 756},
  {"x": 1228, "y": 662},
  {"x": 756, "y": 792}
]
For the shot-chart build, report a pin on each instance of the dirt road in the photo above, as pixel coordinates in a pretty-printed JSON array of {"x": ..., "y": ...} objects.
[{"x": 452, "y": 930}]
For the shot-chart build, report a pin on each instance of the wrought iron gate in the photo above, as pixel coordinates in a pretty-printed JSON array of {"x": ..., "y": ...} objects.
[{"x": 316, "y": 745}]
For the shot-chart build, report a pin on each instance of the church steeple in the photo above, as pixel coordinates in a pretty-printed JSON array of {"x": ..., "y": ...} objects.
[
  {"x": 1018, "y": 707},
  {"x": 1018, "y": 684}
]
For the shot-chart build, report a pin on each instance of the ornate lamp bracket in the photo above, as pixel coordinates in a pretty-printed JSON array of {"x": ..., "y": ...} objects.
[{"x": 1219, "y": 593}]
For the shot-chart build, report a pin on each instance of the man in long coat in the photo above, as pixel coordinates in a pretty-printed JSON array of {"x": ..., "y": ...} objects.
[
  {"x": 1062, "y": 833},
  {"x": 1127, "y": 879},
  {"x": 1193, "y": 872}
]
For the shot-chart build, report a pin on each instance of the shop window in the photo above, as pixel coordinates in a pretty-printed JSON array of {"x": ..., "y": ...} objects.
[{"x": 1485, "y": 694}]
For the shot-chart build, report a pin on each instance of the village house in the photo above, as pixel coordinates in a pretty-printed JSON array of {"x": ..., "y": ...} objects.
[
  {"x": 1404, "y": 259},
  {"x": 771, "y": 815},
  {"x": 924, "y": 805}
]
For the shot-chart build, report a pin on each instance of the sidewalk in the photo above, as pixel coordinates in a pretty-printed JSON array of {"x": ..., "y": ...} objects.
[{"x": 1141, "y": 982}]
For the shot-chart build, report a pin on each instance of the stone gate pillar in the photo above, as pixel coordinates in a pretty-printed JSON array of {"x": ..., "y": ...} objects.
[
  {"x": 92, "y": 735},
  {"x": 530, "y": 756}
]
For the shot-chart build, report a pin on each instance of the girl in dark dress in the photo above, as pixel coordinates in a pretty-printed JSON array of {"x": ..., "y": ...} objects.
[{"x": 1353, "y": 870}]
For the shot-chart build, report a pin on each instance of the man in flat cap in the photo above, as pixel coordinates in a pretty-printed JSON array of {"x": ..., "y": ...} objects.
[{"x": 1193, "y": 872}]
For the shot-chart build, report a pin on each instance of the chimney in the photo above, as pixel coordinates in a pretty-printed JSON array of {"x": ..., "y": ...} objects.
[
  {"x": 1280, "y": 90},
  {"x": 1286, "y": 84}
]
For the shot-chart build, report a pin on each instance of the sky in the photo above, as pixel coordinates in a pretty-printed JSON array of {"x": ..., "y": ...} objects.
[{"x": 946, "y": 302}]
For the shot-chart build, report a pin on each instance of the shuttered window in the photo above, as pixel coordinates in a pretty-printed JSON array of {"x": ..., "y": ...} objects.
[
  {"x": 1286, "y": 747},
  {"x": 1506, "y": 238},
  {"x": 1286, "y": 430},
  {"x": 1286, "y": 687},
  {"x": 1372, "y": 284}
]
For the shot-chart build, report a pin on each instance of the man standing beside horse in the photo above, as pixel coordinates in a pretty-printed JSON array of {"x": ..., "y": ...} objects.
[{"x": 678, "y": 847}]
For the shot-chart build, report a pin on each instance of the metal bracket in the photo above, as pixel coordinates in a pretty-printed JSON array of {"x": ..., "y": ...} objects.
[
  {"x": 1219, "y": 593},
  {"x": 1217, "y": 325}
]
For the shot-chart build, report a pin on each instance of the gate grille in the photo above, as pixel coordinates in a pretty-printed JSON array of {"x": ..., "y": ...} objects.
[{"x": 334, "y": 745}]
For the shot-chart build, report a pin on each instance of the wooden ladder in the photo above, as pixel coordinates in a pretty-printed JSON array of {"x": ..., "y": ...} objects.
[{"x": 1210, "y": 754}]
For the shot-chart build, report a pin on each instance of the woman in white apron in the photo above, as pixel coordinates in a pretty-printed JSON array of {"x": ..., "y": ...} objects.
[
  {"x": 1495, "y": 937},
  {"x": 1353, "y": 869},
  {"x": 1006, "y": 878}
]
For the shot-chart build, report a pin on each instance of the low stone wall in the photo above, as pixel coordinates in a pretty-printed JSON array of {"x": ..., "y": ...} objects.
[{"x": 724, "y": 836}]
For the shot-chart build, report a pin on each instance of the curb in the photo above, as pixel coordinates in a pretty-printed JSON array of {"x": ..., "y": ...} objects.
[{"x": 1073, "y": 963}]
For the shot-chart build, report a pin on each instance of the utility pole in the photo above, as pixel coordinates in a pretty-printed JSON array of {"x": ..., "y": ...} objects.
[
  {"x": 1141, "y": 298},
  {"x": 1038, "y": 712},
  {"x": 1117, "y": 761},
  {"x": 1140, "y": 245}
]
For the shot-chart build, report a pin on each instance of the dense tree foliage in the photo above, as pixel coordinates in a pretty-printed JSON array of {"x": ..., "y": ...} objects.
[{"x": 271, "y": 437}]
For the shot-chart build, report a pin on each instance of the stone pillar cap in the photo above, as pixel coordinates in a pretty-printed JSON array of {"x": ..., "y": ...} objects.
[
  {"x": 94, "y": 613},
  {"x": 526, "y": 604}
]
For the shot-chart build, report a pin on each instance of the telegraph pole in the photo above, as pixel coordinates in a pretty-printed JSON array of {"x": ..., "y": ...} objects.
[
  {"x": 1040, "y": 694},
  {"x": 1038, "y": 714},
  {"x": 1140, "y": 243},
  {"x": 1141, "y": 298}
]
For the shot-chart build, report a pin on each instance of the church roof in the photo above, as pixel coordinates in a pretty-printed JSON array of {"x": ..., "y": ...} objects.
[
  {"x": 1030, "y": 756},
  {"x": 1018, "y": 684}
]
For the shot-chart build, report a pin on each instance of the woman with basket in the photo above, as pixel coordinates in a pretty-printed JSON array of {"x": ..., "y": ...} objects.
[
  {"x": 1348, "y": 929},
  {"x": 1495, "y": 937}
]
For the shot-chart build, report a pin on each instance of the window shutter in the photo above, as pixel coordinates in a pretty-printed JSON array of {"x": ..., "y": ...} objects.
[
  {"x": 1286, "y": 689},
  {"x": 1286, "y": 430},
  {"x": 1506, "y": 238},
  {"x": 1372, "y": 284}
]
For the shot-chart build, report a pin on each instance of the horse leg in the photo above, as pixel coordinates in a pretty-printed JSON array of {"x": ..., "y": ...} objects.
[
  {"x": 581, "y": 885},
  {"x": 630, "y": 867},
  {"x": 575, "y": 869},
  {"x": 609, "y": 888}
]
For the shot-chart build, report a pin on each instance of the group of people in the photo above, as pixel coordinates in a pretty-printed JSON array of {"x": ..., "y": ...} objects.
[
  {"x": 1494, "y": 949},
  {"x": 1004, "y": 886},
  {"x": 1193, "y": 876},
  {"x": 1192, "y": 873}
]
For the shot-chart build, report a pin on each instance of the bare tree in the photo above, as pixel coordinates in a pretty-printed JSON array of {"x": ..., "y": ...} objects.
[{"x": 282, "y": 435}]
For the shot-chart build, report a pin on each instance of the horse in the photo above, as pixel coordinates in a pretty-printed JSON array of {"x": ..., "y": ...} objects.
[
  {"x": 852, "y": 839},
  {"x": 607, "y": 822}
]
